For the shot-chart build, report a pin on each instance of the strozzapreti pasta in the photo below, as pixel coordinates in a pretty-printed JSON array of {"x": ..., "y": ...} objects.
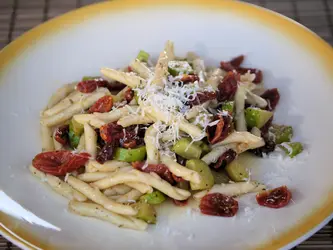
[{"x": 119, "y": 144}]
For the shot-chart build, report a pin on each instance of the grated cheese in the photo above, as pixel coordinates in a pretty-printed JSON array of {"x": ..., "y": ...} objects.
[
  {"x": 145, "y": 165},
  {"x": 66, "y": 177},
  {"x": 172, "y": 100}
]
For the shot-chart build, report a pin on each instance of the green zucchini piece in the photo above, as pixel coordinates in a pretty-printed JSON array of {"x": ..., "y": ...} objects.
[
  {"x": 220, "y": 177},
  {"x": 176, "y": 68},
  {"x": 292, "y": 148},
  {"x": 281, "y": 133},
  {"x": 256, "y": 117},
  {"x": 185, "y": 149},
  {"x": 153, "y": 198},
  {"x": 203, "y": 169},
  {"x": 130, "y": 155},
  {"x": 236, "y": 171},
  {"x": 146, "y": 212},
  {"x": 143, "y": 56},
  {"x": 228, "y": 106}
]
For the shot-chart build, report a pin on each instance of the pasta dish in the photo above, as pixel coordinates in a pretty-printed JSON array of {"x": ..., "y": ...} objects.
[{"x": 120, "y": 144}]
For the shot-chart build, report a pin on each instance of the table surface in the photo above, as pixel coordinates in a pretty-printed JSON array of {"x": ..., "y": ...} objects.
[{"x": 18, "y": 16}]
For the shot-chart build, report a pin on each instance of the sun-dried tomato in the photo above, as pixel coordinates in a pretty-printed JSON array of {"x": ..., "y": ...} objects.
[
  {"x": 115, "y": 86},
  {"x": 86, "y": 86},
  {"x": 102, "y": 105},
  {"x": 61, "y": 135},
  {"x": 129, "y": 69},
  {"x": 130, "y": 134},
  {"x": 219, "y": 205},
  {"x": 129, "y": 95},
  {"x": 128, "y": 137},
  {"x": 160, "y": 169},
  {"x": 59, "y": 162},
  {"x": 100, "y": 141},
  {"x": 272, "y": 97},
  {"x": 275, "y": 198},
  {"x": 115, "y": 135},
  {"x": 202, "y": 97},
  {"x": 134, "y": 133},
  {"x": 235, "y": 63},
  {"x": 100, "y": 82},
  {"x": 106, "y": 153},
  {"x": 89, "y": 86},
  {"x": 180, "y": 203},
  {"x": 130, "y": 143},
  {"x": 189, "y": 78},
  {"x": 227, "y": 87},
  {"x": 177, "y": 178},
  {"x": 225, "y": 159},
  {"x": 111, "y": 132},
  {"x": 226, "y": 66},
  {"x": 221, "y": 130}
]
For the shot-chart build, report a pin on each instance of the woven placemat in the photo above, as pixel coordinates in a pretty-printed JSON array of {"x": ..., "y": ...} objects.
[{"x": 18, "y": 16}]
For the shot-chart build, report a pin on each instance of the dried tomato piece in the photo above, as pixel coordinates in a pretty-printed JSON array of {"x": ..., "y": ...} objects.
[
  {"x": 228, "y": 87},
  {"x": 133, "y": 135},
  {"x": 221, "y": 130},
  {"x": 115, "y": 86},
  {"x": 272, "y": 97},
  {"x": 106, "y": 153},
  {"x": 111, "y": 132},
  {"x": 59, "y": 162},
  {"x": 89, "y": 86},
  {"x": 202, "y": 97},
  {"x": 112, "y": 86},
  {"x": 129, "y": 69},
  {"x": 219, "y": 205},
  {"x": 160, "y": 169},
  {"x": 226, "y": 66},
  {"x": 103, "y": 104},
  {"x": 128, "y": 137},
  {"x": 189, "y": 78},
  {"x": 225, "y": 159},
  {"x": 100, "y": 141},
  {"x": 275, "y": 198},
  {"x": 180, "y": 203},
  {"x": 100, "y": 82},
  {"x": 233, "y": 64},
  {"x": 129, "y": 94},
  {"x": 177, "y": 178},
  {"x": 129, "y": 143},
  {"x": 61, "y": 135},
  {"x": 237, "y": 61}
]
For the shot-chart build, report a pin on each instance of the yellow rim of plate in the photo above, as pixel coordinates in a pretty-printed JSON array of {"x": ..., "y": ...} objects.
[{"x": 304, "y": 37}]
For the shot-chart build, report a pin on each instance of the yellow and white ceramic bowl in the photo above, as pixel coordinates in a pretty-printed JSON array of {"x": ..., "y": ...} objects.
[{"x": 62, "y": 50}]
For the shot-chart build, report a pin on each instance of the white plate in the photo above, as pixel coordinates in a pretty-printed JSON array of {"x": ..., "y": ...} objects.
[{"x": 62, "y": 50}]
